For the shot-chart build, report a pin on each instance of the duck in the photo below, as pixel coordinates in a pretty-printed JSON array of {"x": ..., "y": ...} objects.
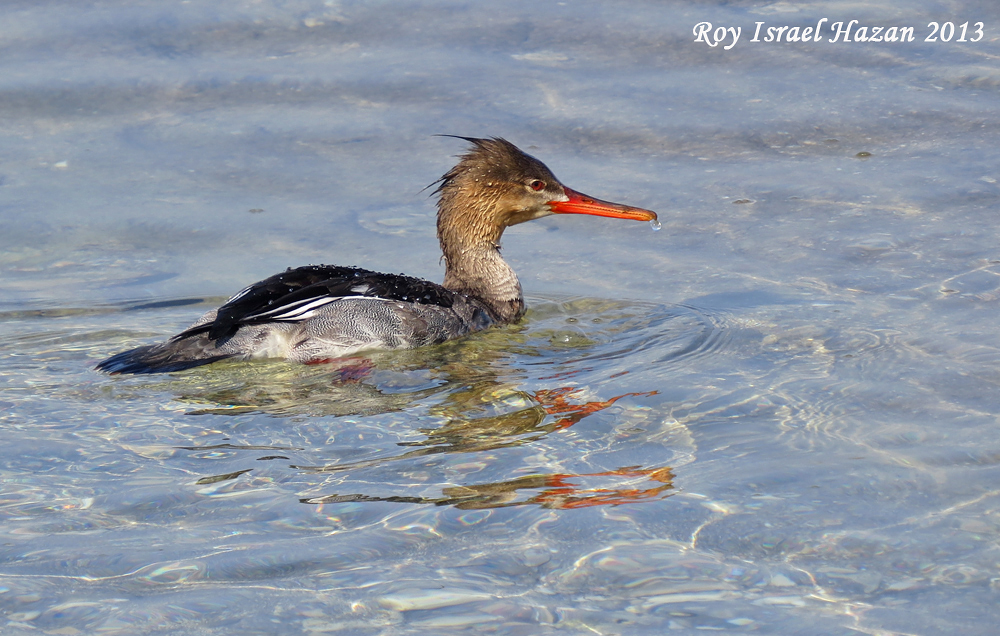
[{"x": 320, "y": 313}]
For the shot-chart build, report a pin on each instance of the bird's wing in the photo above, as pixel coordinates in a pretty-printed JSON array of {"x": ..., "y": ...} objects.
[{"x": 297, "y": 294}]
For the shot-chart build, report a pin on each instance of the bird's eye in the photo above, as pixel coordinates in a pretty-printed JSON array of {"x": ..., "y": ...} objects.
[{"x": 536, "y": 185}]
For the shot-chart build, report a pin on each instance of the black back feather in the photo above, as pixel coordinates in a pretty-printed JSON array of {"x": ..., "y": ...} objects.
[{"x": 314, "y": 282}]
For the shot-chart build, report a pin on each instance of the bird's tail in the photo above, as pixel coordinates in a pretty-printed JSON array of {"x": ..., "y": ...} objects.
[{"x": 173, "y": 355}]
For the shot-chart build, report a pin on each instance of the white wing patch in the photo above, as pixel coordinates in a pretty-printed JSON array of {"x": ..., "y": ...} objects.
[
  {"x": 298, "y": 310},
  {"x": 307, "y": 308},
  {"x": 240, "y": 294}
]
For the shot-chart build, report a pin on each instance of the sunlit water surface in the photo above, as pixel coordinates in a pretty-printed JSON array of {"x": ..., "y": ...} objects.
[{"x": 777, "y": 415}]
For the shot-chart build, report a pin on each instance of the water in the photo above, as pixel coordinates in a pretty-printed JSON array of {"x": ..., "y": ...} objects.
[{"x": 777, "y": 415}]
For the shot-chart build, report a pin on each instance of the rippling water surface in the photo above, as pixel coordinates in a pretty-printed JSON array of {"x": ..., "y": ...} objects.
[{"x": 777, "y": 415}]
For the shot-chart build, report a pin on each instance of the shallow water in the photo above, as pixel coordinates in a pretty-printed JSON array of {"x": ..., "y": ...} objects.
[{"x": 776, "y": 415}]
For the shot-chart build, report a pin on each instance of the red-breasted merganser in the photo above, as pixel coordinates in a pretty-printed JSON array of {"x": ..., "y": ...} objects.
[{"x": 321, "y": 312}]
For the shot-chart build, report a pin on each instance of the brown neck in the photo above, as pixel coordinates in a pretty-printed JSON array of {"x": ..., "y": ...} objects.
[
  {"x": 470, "y": 243},
  {"x": 482, "y": 274}
]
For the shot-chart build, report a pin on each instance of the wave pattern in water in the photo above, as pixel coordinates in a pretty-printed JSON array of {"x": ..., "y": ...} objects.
[{"x": 631, "y": 413}]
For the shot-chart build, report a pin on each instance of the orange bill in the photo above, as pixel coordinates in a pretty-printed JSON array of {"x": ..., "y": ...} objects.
[{"x": 580, "y": 203}]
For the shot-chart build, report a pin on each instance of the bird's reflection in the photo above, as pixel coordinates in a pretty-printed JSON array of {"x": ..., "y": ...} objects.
[
  {"x": 555, "y": 490},
  {"x": 558, "y": 491},
  {"x": 472, "y": 391},
  {"x": 470, "y": 435}
]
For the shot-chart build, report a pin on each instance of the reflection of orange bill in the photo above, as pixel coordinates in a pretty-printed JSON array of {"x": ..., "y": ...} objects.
[
  {"x": 554, "y": 402},
  {"x": 565, "y": 496}
]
